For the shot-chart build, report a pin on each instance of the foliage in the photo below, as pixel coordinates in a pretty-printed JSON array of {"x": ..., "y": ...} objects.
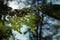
[
  {"x": 5, "y": 32},
  {"x": 29, "y": 18},
  {"x": 16, "y": 18},
  {"x": 52, "y": 10},
  {"x": 25, "y": 16}
]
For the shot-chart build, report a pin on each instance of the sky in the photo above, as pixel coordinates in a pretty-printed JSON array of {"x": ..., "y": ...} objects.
[
  {"x": 18, "y": 4},
  {"x": 54, "y": 1},
  {"x": 22, "y": 36}
]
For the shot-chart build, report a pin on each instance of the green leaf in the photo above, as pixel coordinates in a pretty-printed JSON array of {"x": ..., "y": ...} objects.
[
  {"x": 31, "y": 19},
  {"x": 16, "y": 23}
]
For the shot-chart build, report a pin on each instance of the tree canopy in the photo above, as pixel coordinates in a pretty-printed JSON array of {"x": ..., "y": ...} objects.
[{"x": 27, "y": 16}]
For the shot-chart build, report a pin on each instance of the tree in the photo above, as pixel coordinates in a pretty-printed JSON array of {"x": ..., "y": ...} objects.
[
  {"x": 27, "y": 16},
  {"x": 16, "y": 18}
]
